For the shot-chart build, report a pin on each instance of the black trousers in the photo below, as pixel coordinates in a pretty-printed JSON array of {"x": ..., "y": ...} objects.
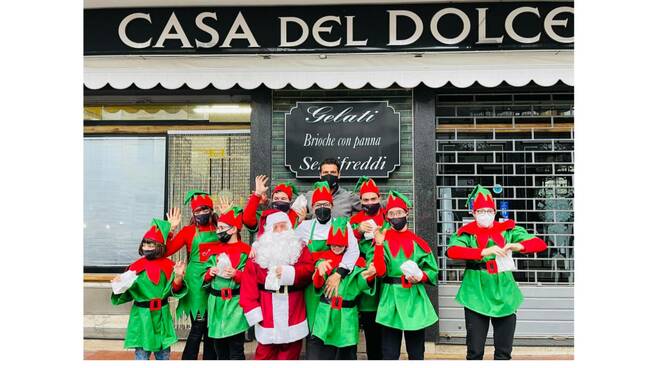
[
  {"x": 230, "y": 347},
  {"x": 392, "y": 343},
  {"x": 317, "y": 350},
  {"x": 372, "y": 335},
  {"x": 198, "y": 332},
  {"x": 477, "y": 325}
]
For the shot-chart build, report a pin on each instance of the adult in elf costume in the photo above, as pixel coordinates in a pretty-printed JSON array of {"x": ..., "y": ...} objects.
[
  {"x": 150, "y": 326},
  {"x": 314, "y": 233},
  {"x": 281, "y": 200},
  {"x": 362, "y": 226},
  {"x": 226, "y": 322},
  {"x": 199, "y": 237},
  {"x": 404, "y": 306},
  {"x": 486, "y": 294},
  {"x": 335, "y": 326}
]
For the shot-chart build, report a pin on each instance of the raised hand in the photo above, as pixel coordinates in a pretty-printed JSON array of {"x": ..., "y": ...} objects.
[
  {"x": 174, "y": 217},
  {"x": 224, "y": 204},
  {"x": 261, "y": 185}
]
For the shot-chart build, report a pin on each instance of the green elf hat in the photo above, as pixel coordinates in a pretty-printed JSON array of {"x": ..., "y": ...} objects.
[
  {"x": 197, "y": 199},
  {"x": 158, "y": 231},
  {"x": 338, "y": 233},
  {"x": 321, "y": 192},
  {"x": 480, "y": 197},
  {"x": 288, "y": 188},
  {"x": 366, "y": 185},
  {"x": 396, "y": 199},
  {"x": 233, "y": 216}
]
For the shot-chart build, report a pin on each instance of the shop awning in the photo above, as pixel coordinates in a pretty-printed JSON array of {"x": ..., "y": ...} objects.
[{"x": 461, "y": 69}]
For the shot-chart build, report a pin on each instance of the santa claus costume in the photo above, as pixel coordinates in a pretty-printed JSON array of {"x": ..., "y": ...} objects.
[
  {"x": 489, "y": 295},
  {"x": 255, "y": 219},
  {"x": 275, "y": 305}
]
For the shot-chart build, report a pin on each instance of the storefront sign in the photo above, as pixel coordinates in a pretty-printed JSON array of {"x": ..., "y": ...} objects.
[
  {"x": 328, "y": 29},
  {"x": 362, "y": 135}
]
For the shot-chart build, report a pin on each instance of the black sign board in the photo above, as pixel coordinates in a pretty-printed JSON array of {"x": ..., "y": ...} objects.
[
  {"x": 328, "y": 29},
  {"x": 362, "y": 135}
]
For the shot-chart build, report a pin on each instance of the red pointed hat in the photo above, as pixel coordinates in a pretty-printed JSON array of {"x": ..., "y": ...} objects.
[
  {"x": 482, "y": 198},
  {"x": 158, "y": 231},
  {"x": 233, "y": 217},
  {"x": 366, "y": 185},
  {"x": 288, "y": 188},
  {"x": 338, "y": 234},
  {"x": 197, "y": 199},
  {"x": 321, "y": 192},
  {"x": 396, "y": 199}
]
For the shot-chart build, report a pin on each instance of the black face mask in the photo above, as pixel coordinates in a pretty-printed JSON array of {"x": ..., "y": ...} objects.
[
  {"x": 323, "y": 214},
  {"x": 371, "y": 209},
  {"x": 332, "y": 181},
  {"x": 203, "y": 219},
  {"x": 151, "y": 254},
  {"x": 398, "y": 223},
  {"x": 224, "y": 236},
  {"x": 282, "y": 206}
]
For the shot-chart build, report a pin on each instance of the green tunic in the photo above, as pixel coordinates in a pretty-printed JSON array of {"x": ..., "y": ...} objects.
[
  {"x": 197, "y": 298},
  {"x": 340, "y": 327},
  {"x": 407, "y": 308},
  {"x": 368, "y": 302},
  {"x": 494, "y": 295},
  {"x": 226, "y": 317},
  {"x": 149, "y": 330}
]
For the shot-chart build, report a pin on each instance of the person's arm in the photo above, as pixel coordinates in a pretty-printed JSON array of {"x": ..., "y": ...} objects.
[
  {"x": 250, "y": 219},
  {"x": 350, "y": 256},
  {"x": 179, "y": 240},
  {"x": 249, "y": 297},
  {"x": 530, "y": 243},
  {"x": 310, "y": 211},
  {"x": 429, "y": 267},
  {"x": 356, "y": 205},
  {"x": 459, "y": 249},
  {"x": 238, "y": 276}
]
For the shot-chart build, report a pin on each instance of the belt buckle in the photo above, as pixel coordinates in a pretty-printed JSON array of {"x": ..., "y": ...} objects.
[
  {"x": 225, "y": 293},
  {"x": 336, "y": 302},
  {"x": 405, "y": 283},
  {"x": 284, "y": 288},
  {"x": 491, "y": 266},
  {"x": 155, "y": 304}
]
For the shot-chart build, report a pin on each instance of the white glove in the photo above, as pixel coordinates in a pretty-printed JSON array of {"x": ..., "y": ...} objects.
[
  {"x": 126, "y": 279},
  {"x": 410, "y": 268},
  {"x": 272, "y": 282},
  {"x": 505, "y": 263},
  {"x": 223, "y": 263}
]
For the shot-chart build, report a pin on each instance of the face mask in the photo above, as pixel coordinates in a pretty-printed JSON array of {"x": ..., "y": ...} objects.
[
  {"x": 371, "y": 209},
  {"x": 282, "y": 206},
  {"x": 398, "y": 223},
  {"x": 224, "y": 236},
  {"x": 203, "y": 219},
  {"x": 332, "y": 181},
  {"x": 151, "y": 254},
  {"x": 323, "y": 214},
  {"x": 485, "y": 219}
]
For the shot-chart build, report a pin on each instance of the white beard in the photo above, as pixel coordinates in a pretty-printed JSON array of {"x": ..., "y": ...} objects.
[{"x": 277, "y": 249}]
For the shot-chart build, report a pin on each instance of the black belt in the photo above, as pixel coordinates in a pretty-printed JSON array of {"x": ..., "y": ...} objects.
[
  {"x": 225, "y": 293},
  {"x": 282, "y": 288},
  {"x": 490, "y": 266},
  {"x": 153, "y": 304},
  {"x": 337, "y": 302},
  {"x": 397, "y": 280}
]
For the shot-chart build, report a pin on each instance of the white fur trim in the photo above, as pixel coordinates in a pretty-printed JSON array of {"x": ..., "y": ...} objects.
[
  {"x": 254, "y": 316},
  {"x": 288, "y": 275},
  {"x": 282, "y": 333}
]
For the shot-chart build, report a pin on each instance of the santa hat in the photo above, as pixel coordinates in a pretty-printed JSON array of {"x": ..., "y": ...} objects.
[
  {"x": 480, "y": 197},
  {"x": 396, "y": 199},
  {"x": 321, "y": 192},
  {"x": 233, "y": 216},
  {"x": 275, "y": 218},
  {"x": 197, "y": 199},
  {"x": 288, "y": 188},
  {"x": 158, "y": 231},
  {"x": 366, "y": 185},
  {"x": 338, "y": 234}
]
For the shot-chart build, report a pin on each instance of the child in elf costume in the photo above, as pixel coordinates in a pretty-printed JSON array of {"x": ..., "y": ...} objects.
[
  {"x": 281, "y": 200},
  {"x": 486, "y": 294},
  {"x": 150, "y": 326},
  {"x": 364, "y": 223},
  {"x": 404, "y": 261},
  {"x": 335, "y": 326},
  {"x": 198, "y": 237},
  {"x": 226, "y": 321}
]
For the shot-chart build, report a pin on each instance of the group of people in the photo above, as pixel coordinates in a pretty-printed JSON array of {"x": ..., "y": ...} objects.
[{"x": 318, "y": 270}]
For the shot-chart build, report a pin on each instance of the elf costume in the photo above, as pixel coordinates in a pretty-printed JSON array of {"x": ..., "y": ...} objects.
[
  {"x": 335, "y": 331},
  {"x": 368, "y": 304},
  {"x": 199, "y": 240},
  {"x": 253, "y": 217},
  {"x": 150, "y": 325},
  {"x": 226, "y": 320},
  {"x": 404, "y": 306},
  {"x": 485, "y": 293}
]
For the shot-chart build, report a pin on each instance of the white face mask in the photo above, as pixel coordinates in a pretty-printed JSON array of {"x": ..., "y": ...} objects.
[{"x": 485, "y": 219}]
